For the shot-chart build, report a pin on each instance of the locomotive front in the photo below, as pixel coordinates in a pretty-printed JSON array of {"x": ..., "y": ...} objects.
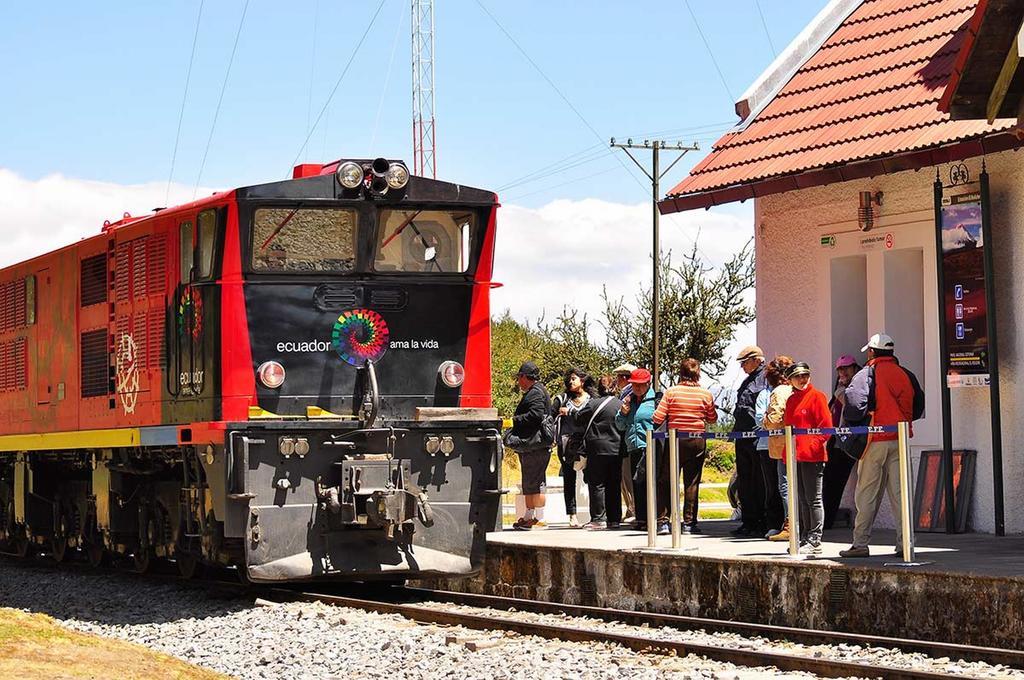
[{"x": 358, "y": 339}]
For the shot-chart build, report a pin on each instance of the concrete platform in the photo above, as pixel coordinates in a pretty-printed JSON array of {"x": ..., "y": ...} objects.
[{"x": 971, "y": 591}]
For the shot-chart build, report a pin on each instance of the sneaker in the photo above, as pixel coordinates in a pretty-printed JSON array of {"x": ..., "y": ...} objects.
[
  {"x": 595, "y": 526},
  {"x": 664, "y": 530},
  {"x": 855, "y": 551},
  {"x": 518, "y": 524},
  {"x": 780, "y": 536},
  {"x": 538, "y": 524},
  {"x": 772, "y": 532},
  {"x": 574, "y": 522},
  {"x": 691, "y": 529},
  {"x": 810, "y": 549}
]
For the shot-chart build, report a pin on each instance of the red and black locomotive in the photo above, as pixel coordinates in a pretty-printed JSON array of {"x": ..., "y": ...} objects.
[{"x": 290, "y": 378}]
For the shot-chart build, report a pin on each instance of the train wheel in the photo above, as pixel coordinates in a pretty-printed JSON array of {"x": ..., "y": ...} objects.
[
  {"x": 142, "y": 561},
  {"x": 188, "y": 565},
  {"x": 95, "y": 554},
  {"x": 59, "y": 540},
  {"x": 20, "y": 544}
]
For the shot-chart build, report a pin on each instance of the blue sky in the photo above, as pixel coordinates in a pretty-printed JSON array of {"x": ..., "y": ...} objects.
[{"x": 94, "y": 90}]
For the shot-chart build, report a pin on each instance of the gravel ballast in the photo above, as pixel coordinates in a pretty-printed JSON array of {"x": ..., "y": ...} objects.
[{"x": 254, "y": 639}]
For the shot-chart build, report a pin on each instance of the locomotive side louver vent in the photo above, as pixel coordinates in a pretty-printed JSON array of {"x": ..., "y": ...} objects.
[
  {"x": 13, "y": 365},
  {"x": 13, "y": 309},
  {"x": 388, "y": 300},
  {"x": 95, "y": 363},
  {"x": 93, "y": 280},
  {"x": 331, "y": 297}
]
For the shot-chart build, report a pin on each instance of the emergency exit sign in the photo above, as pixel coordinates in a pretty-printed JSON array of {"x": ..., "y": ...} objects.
[{"x": 828, "y": 241}]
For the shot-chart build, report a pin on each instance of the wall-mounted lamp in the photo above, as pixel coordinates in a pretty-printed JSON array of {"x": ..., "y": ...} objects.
[{"x": 866, "y": 213}]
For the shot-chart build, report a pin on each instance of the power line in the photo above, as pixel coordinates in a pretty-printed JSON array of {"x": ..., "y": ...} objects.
[
  {"x": 764, "y": 23},
  {"x": 184, "y": 98},
  {"x": 220, "y": 99},
  {"x": 711, "y": 53},
  {"x": 312, "y": 63},
  {"x": 562, "y": 184},
  {"x": 387, "y": 77},
  {"x": 558, "y": 91},
  {"x": 337, "y": 83},
  {"x": 559, "y": 167}
]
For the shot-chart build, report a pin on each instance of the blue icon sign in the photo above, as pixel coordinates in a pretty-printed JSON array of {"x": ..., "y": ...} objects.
[
  {"x": 960, "y": 331},
  {"x": 958, "y": 291},
  {"x": 958, "y": 311}
]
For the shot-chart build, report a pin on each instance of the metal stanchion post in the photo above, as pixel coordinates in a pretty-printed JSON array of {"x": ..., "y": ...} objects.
[
  {"x": 791, "y": 500},
  {"x": 652, "y": 510},
  {"x": 903, "y": 431},
  {"x": 673, "y": 485}
]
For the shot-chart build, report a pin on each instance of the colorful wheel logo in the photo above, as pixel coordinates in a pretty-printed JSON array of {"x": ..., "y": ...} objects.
[{"x": 360, "y": 335}]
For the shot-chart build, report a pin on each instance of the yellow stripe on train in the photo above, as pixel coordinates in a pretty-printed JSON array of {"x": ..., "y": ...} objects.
[{"x": 80, "y": 439}]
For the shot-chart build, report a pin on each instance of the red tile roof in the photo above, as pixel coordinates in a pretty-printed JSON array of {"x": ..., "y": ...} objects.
[{"x": 869, "y": 92}]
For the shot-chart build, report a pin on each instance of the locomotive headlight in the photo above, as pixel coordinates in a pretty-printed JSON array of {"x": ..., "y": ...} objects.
[
  {"x": 452, "y": 373},
  {"x": 350, "y": 175},
  {"x": 397, "y": 175},
  {"x": 271, "y": 374}
]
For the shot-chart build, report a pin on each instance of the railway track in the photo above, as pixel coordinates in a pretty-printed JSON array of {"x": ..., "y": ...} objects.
[{"x": 497, "y": 613}]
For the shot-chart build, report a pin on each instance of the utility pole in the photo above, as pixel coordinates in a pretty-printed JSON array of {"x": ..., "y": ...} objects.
[
  {"x": 424, "y": 139},
  {"x": 655, "y": 176}
]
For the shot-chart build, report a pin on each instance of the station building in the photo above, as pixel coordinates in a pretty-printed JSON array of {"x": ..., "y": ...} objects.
[{"x": 840, "y": 145}]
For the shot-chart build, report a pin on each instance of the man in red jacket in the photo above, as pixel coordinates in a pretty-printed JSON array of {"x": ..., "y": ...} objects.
[{"x": 882, "y": 390}]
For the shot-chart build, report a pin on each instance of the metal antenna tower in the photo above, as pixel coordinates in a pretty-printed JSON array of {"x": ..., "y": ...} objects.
[{"x": 423, "y": 137}]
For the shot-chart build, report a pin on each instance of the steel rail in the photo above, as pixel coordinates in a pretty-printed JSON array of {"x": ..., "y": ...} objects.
[
  {"x": 424, "y": 613},
  {"x": 992, "y": 655}
]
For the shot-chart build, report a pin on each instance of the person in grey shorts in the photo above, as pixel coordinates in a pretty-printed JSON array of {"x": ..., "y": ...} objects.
[{"x": 527, "y": 422}]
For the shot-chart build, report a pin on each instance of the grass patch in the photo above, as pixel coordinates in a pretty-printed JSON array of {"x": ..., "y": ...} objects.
[
  {"x": 34, "y": 647},
  {"x": 714, "y": 495},
  {"x": 715, "y": 514}
]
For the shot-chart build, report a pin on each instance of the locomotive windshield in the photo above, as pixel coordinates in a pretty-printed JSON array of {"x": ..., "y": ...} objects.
[
  {"x": 424, "y": 240},
  {"x": 304, "y": 240}
]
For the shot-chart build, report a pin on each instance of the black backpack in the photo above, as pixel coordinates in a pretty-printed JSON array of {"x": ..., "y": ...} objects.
[{"x": 854, "y": 444}]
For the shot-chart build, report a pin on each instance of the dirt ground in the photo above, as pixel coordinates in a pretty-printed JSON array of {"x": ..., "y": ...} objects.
[{"x": 34, "y": 646}]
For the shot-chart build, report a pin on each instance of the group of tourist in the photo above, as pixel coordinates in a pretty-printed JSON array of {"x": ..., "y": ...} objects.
[{"x": 599, "y": 428}]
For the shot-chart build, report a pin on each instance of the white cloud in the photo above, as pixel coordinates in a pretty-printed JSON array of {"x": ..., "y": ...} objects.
[
  {"x": 37, "y": 216},
  {"x": 564, "y": 252}
]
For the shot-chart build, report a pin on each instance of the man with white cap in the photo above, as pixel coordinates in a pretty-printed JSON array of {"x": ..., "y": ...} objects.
[
  {"x": 750, "y": 482},
  {"x": 884, "y": 391}
]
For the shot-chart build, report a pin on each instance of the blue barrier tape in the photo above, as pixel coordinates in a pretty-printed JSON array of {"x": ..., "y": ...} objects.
[{"x": 754, "y": 434}]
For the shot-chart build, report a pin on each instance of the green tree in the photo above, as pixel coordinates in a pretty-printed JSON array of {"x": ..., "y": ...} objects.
[
  {"x": 701, "y": 308},
  {"x": 554, "y": 346}
]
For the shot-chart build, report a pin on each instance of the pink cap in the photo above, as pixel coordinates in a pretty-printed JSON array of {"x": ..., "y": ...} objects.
[{"x": 845, "y": 360}]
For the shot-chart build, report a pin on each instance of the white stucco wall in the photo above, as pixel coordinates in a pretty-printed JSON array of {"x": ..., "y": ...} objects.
[{"x": 795, "y": 307}]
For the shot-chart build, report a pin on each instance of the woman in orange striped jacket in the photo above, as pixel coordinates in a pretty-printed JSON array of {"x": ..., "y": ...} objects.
[{"x": 688, "y": 407}]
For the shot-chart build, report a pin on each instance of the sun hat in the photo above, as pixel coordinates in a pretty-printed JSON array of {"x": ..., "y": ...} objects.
[
  {"x": 640, "y": 376},
  {"x": 845, "y": 360},
  {"x": 624, "y": 369},
  {"x": 879, "y": 341},
  {"x": 749, "y": 352},
  {"x": 799, "y": 368}
]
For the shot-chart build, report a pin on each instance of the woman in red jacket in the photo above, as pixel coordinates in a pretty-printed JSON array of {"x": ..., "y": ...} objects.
[{"x": 808, "y": 408}]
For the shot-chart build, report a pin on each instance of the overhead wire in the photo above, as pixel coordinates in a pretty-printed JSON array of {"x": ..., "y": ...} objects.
[
  {"x": 557, "y": 90},
  {"x": 337, "y": 83},
  {"x": 312, "y": 63},
  {"x": 561, "y": 166},
  {"x": 562, "y": 184},
  {"x": 764, "y": 24},
  {"x": 576, "y": 111},
  {"x": 220, "y": 99},
  {"x": 184, "y": 98},
  {"x": 387, "y": 77},
  {"x": 711, "y": 52}
]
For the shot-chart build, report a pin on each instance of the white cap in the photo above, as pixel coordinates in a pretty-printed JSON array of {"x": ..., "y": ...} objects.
[{"x": 879, "y": 341}]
